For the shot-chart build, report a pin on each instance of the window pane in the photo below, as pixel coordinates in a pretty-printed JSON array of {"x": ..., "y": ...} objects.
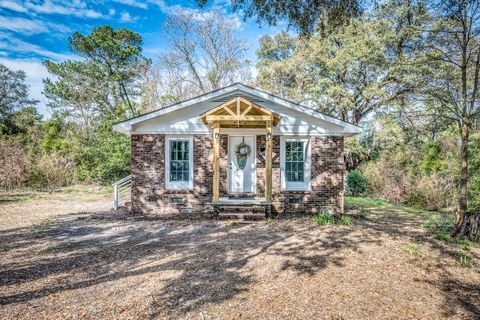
[
  {"x": 179, "y": 156},
  {"x": 294, "y": 161}
]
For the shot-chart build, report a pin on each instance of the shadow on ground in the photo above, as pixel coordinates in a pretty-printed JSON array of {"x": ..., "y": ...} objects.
[{"x": 210, "y": 260}]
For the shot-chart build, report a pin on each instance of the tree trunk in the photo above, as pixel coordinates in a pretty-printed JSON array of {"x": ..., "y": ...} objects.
[
  {"x": 470, "y": 226},
  {"x": 463, "y": 200}
]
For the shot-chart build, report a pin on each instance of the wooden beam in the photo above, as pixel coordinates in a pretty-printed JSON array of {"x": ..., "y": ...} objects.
[
  {"x": 244, "y": 113},
  {"x": 238, "y": 118},
  {"x": 269, "y": 112},
  {"x": 223, "y": 105},
  {"x": 268, "y": 162},
  {"x": 216, "y": 162},
  {"x": 238, "y": 111},
  {"x": 229, "y": 110}
]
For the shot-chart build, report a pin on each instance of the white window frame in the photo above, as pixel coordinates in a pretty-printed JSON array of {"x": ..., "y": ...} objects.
[
  {"x": 178, "y": 185},
  {"x": 295, "y": 186}
]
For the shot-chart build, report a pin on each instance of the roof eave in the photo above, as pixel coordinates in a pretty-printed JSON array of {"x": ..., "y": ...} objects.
[{"x": 127, "y": 125}]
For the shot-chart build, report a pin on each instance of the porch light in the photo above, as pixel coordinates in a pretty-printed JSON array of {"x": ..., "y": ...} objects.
[
  {"x": 217, "y": 136},
  {"x": 269, "y": 136}
]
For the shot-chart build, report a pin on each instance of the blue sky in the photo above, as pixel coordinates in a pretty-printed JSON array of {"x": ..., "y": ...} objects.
[{"x": 32, "y": 31}]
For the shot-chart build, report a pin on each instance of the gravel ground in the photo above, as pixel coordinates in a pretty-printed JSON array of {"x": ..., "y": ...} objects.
[{"x": 104, "y": 265}]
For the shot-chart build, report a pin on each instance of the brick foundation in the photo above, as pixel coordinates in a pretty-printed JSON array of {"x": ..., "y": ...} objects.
[{"x": 148, "y": 177}]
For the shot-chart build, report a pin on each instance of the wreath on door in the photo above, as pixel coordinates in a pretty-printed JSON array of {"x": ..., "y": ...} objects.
[{"x": 242, "y": 152}]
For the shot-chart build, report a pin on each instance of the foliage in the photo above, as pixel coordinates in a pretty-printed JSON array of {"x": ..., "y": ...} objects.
[
  {"x": 14, "y": 164},
  {"x": 356, "y": 182},
  {"x": 304, "y": 17},
  {"x": 13, "y": 97},
  {"x": 345, "y": 220},
  {"x": 324, "y": 219},
  {"x": 474, "y": 174},
  {"x": 105, "y": 82},
  {"x": 348, "y": 73},
  {"x": 397, "y": 178},
  {"x": 52, "y": 171}
]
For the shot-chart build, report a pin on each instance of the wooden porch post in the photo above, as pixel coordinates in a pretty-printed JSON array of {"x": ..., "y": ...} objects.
[
  {"x": 216, "y": 162},
  {"x": 268, "y": 162}
]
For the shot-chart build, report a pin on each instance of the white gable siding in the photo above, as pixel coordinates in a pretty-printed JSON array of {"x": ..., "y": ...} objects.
[
  {"x": 182, "y": 118},
  {"x": 185, "y": 121}
]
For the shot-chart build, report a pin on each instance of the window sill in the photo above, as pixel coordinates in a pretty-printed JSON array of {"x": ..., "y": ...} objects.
[
  {"x": 178, "y": 188},
  {"x": 305, "y": 189}
]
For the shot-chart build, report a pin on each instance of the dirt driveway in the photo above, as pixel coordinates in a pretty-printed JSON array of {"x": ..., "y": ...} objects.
[{"x": 111, "y": 266}]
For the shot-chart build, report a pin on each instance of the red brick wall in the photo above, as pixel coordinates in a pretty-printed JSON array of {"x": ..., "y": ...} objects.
[{"x": 148, "y": 177}]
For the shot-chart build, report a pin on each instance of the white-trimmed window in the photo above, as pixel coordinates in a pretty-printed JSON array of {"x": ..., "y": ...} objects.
[
  {"x": 295, "y": 163},
  {"x": 179, "y": 162}
]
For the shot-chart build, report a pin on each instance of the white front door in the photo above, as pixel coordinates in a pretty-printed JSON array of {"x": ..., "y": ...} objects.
[{"x": 242, "y": 173}]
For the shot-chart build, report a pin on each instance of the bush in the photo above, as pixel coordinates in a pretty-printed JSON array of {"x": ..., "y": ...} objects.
[
  {"x": 398, "y": 178},
  {"x": 324, "y": 219},
  {"x": 52, "y": 171},
  {"x": 432, "y": 192},
  {"x": 105, "y": 159},
  {"x": 14, "y": 164},
  {"x": 356, "y": 183},
  {"x": 345, "y": 220}
]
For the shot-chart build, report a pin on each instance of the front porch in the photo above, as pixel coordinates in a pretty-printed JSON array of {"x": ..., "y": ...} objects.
[{"x": 240, "y": 114}]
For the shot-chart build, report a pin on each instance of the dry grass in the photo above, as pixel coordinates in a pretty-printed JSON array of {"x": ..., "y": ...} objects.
[{"x": 116, "y": 266}]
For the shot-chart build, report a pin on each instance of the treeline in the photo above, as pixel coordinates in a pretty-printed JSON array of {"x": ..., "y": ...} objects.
[
  {"x": 407, "y": 71},
  {"x": 109, "y": 81}
]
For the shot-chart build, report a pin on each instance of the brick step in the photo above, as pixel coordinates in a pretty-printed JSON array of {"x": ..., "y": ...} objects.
[
  {"x": 241, "y": 209},
  {"x": 242, "y": 216}
]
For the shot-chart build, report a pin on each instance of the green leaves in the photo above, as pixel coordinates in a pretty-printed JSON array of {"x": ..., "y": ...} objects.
[
  {"x": 348, "y": 73},
  {"x": 104, "y": 81}
]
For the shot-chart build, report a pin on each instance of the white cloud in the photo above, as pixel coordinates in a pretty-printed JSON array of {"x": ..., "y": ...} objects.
[
  {"x": 76, "y": 8},
  {"x": 133, "y": 3},
  {"x": 8, "y": 42},
  {"x": 12, "y": 5},
  {"x": 35, "y": 73},
  {"x": 111, "y": 11},
  {"x": 26, "y": 26},
  {"x": 30, "y": 26},
  {"x": 126, "y": 17}
]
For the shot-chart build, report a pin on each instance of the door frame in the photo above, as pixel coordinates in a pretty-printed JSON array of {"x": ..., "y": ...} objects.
[{"x": 254, "y": 154}]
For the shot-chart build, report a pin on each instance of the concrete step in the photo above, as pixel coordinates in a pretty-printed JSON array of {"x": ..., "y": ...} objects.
[
  {"x": 241, "y": 209},
  {"x": 242, "y": 216}
]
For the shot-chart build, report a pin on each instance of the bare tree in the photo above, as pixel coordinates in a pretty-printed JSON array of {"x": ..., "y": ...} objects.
[{"x": 203, "y": 54}]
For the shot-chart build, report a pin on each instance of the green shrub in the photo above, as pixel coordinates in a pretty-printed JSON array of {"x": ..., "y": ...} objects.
[
  {"x": 356, "y": 182},
  {"x": 399, "y": 178},
  {"x": 346, "y": 220},
  {"x": 14, "y": 164},
  {"x": 324, "y": 219},
  {"x": 52, "y": 171},
  {"x": 434, "y": 158},
  {"x": 474, "y": 183}
]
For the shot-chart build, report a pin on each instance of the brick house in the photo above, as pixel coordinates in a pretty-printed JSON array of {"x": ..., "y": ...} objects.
[{"x": 236, "y": 150}]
